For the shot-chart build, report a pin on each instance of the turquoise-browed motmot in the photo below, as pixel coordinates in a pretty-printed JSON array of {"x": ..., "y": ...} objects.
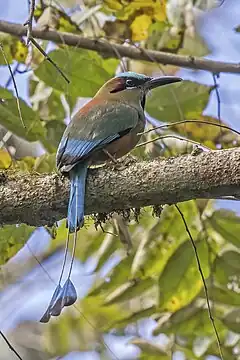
[{"x": 107, "y": 127}]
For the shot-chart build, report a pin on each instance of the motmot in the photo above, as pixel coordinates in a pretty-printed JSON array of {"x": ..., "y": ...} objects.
[{"x": 106, "y": 128}]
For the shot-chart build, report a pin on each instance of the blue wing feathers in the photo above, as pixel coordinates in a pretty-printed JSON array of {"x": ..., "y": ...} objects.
[{"x": 71, "y": 151}]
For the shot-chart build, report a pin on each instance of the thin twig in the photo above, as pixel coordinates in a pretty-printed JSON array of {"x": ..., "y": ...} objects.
[
  {"x": 203, "y": 280},
  {"x": 29, "y": 21},
  {"x": 215, "y": 76},
  {"x": 10, "y": 346},
  {"x": 34, "y": 42},
  {"x": 175, "y": 137},
  {"x": 131, "y": 52},
  {"x": 14, "y": 71},
  {"x": 190, "y": 121},
  {"x": 14, "y": 84}
]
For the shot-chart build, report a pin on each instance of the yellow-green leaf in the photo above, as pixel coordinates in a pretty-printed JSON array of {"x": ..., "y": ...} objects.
[
  {"x": 227, "y": 269},
  {"x": 188, "y": 321},
  {"x": 148, "y": 347},
  {"x": 86, "y": 70},
  {"x": 9, "y": 117},
  {"x": 12, "y": 239},
  {"x": 180, "y": 271},
  {"x": 129, "y": 290},
  {"x": 232, "y": 321},
  {"x": 185, "y": 100},
  {"x": 227, "y": 224},
  {"x": 138, "y": 315},
  {"x": 5, "y": 159},
  {"x": 140, "y": 27}
]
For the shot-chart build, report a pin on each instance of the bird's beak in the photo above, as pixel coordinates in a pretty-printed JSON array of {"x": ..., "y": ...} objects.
[{"x": 159, "y": 81}]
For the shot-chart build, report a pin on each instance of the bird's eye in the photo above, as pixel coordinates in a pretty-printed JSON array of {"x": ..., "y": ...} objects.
[{"x": 130, "y": 83}]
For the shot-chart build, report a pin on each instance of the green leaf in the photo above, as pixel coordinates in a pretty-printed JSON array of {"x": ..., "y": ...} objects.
[
  {"x": 117, "y": 276},
  {"x": 129, "y": 290},
  {"x": 169, "y": 324},
  {"x": 86, "y": 70},
  {"x": 189, "y": 321},
  {"x": 163, "y": 238},
  {"x": 101, "y": 315},
  {"x": 205, "y": 133},
  {"x": 45, "y": 163},
  {"x": 14, "y": 49},
  {"x": 55, "y": 109},
  {"x": 224, "y": 296},
  {"x": 161, "y": 38},
  {"x": 132, "y": 318},
  {"x": 149, "y": 348},
  {"x": 185, "y": 100},
  {"x": 180, "y": 271},
  {"x": 9, "y": 118},
  {"x": 146, "y": 356},
  {"x": 55, "y": 131},
  {"x": 227, "y": 224},
  {"x": 195, "y": 46},
  {"x": 227, "y": 268},
  {"x": 232, "y": 321},
  {"x": 92, "y": 239},
  {"x": 107, "y": 248},
  {"x": 12, "y": 239}
]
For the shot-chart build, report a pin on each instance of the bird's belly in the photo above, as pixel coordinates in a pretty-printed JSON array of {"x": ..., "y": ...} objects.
[
  {"x": 123, "y": 145},
  {"x": 119, "y": 147}
]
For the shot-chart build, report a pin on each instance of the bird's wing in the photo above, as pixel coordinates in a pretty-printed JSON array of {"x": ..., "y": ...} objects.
[{"x": 93, "y": 130}]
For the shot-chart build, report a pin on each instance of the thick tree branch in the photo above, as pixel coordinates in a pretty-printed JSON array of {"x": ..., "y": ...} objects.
[
  {"x": 112, "y": 50},
  {"x": 40, "y": 199}
]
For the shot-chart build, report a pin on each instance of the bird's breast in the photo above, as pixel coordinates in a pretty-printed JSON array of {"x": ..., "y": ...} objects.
[{"x": 120, "y": 146}]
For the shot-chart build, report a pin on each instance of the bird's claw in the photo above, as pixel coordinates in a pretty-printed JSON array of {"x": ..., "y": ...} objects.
[{"x": 123, "y": 163}]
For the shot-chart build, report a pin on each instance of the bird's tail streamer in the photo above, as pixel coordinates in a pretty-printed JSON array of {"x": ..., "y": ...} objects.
[{"x": 67, "y": 295}]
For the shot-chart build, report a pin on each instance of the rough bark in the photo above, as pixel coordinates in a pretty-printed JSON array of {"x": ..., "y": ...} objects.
[
  {"x": 40, "y": 199},
  {"x": 115, "y": 50}
]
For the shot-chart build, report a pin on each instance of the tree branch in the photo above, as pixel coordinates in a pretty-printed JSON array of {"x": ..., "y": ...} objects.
[
  {"x": 109, "y": 49},
  {"x": 40, "y": 199}
]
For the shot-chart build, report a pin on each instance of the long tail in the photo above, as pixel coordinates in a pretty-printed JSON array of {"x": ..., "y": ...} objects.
[
  {"x": 67, "y": 295},
  {"x": 75, "y": 215}
]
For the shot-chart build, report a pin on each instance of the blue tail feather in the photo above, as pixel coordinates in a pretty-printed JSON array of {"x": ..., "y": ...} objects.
[{"x": 75, "y": 216}]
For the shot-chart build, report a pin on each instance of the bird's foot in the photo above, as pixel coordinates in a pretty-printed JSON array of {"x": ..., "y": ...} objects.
[{"x": 123, "y": 163}]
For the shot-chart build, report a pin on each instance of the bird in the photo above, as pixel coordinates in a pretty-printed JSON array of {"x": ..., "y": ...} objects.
[{"x": 104, "y": 129}]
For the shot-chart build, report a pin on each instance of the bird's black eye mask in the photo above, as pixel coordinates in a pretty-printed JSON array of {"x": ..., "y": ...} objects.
[{"x": 128, "y": 83}]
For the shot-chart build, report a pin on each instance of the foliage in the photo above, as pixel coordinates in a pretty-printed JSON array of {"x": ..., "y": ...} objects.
[{"x": 159, "y": 279}]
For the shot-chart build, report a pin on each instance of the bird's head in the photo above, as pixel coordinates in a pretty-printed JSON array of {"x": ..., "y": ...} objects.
[{"x": 131, "y": 86}]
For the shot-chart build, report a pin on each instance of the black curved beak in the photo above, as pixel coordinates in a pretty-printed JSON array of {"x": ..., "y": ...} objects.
[{"x": 160, "y": 81}]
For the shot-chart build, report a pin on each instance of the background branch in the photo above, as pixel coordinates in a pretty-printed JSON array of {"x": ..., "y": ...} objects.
[
  {"x": 39, "y": 199},
  {"x": 111, "y": 50}
]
